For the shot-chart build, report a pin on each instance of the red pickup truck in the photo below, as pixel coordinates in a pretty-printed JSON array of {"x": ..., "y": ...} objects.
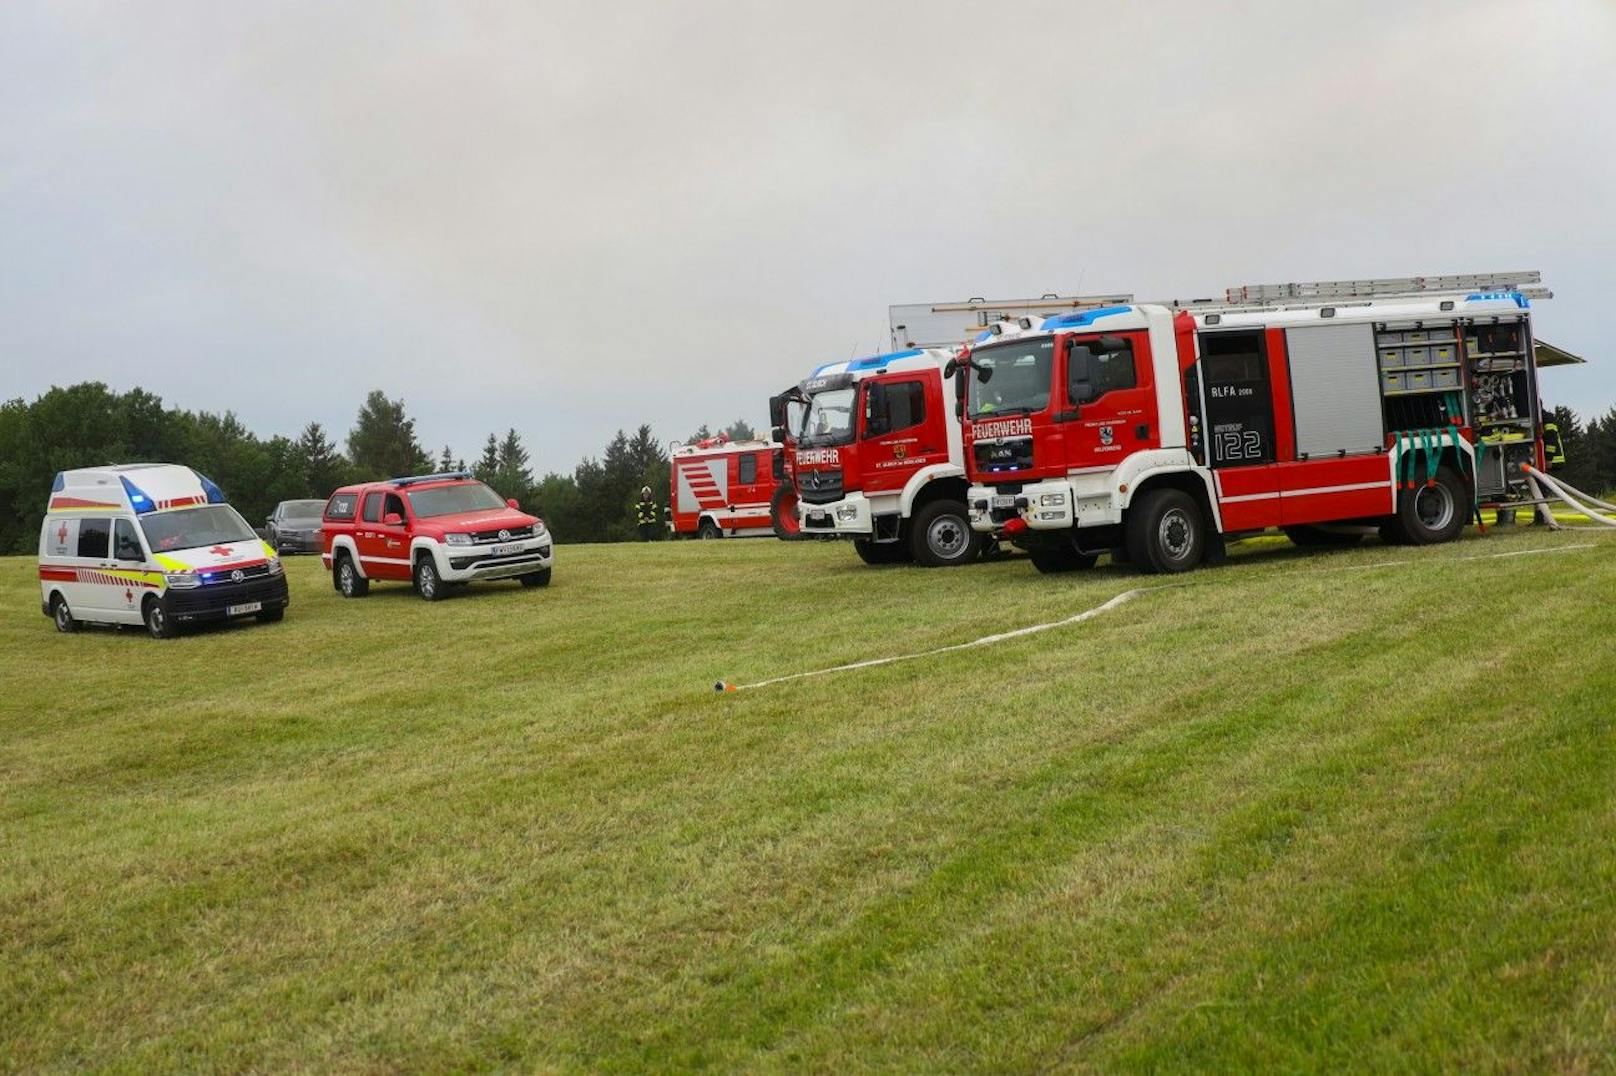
[{"x": 434, "y": 530}]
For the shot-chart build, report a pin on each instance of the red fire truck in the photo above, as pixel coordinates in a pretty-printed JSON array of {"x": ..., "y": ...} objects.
[
  {"x": 1159, "y": 431},
  {"x": 876, "y": 456},
  {"x": 721, "y": 488}
]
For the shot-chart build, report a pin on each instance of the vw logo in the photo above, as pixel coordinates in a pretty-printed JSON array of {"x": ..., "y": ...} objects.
[
  {"x": 504, "y": 536},
  {"x": 237, "y": 576}
]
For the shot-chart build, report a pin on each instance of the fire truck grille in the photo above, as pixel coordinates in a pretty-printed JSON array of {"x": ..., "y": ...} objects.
[
  {"x": 511, "y": 534},
  {"x": 819, "y": 487},
  {"x": 1012, "y": 454}
]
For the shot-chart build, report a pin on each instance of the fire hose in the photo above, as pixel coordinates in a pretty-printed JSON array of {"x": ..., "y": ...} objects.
[{"x": 1572, "y": 496}]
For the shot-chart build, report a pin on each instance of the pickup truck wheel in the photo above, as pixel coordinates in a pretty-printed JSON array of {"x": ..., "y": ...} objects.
[
  {"x": 783, "y": 513},
  {"x": 63, "y": 615},
  {"x": 877, "y": 553},
  {"x": 158, "y": 626},
  {"x": 427, "y": 583},
  {"x": 1061, "y": 559},
  {"x": 540, "y": 578},
  {"x": 942, "y": 537},
  {"x": 350, "y": 584},
  {"x": 1166, "y": 531}
]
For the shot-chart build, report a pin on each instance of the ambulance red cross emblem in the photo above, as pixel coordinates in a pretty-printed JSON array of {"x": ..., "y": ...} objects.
[
  {"x": 220, "y": 551},
  {"x": 61, "y": 533}
]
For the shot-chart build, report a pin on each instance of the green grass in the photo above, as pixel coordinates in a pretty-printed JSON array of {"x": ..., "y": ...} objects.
[{"x": 1292, "y": 815}]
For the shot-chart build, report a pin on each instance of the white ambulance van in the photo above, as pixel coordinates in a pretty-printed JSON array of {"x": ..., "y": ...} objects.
[{"x": 152, "y": 544}]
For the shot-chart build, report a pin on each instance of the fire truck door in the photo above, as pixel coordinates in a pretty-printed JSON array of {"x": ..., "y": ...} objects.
[
  {"x": 1240, "y": 427},
  {"x": 897, "y": 438}
]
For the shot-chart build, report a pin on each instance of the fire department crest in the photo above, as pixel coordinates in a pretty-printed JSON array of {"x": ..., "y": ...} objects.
[
  {"x": 1106, "y": 436},
  {"x": 900, "y": 451}
]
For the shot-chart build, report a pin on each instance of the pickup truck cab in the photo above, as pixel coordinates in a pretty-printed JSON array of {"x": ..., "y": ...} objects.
[
  {"x": 151, "y": 544},
  {"x": 433, "y": 531}
]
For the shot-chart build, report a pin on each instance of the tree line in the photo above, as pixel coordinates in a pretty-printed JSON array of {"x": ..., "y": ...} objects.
[{"x": 88, "y": 424}]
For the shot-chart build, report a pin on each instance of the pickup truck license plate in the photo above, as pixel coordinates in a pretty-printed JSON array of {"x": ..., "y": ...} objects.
[
  {"x": 1004, "y": 502},
  {"x": 244, "y": 607},
  {"x": 504, "y": 550}
]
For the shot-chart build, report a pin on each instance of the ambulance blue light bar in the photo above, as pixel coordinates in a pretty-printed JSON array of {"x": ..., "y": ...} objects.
[
  {"x": 215, "y": 494},
  {"x": 139, "y": 499}
]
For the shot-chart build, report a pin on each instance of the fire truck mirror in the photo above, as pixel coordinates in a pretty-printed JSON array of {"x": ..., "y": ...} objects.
[
  {"x": 875, "y": 409},
  {"x": 778, "y": 434},
  {"x": 777, "y": 414},
  {"x": 950, "y": 368}
]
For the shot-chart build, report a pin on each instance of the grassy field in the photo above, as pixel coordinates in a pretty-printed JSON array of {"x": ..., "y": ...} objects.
[{"x": 1308, "y": 811}]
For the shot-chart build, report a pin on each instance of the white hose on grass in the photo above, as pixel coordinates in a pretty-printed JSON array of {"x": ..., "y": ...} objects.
[
  {"x": 1565, "y": 494},
  {"x": 986, "y": 640}
]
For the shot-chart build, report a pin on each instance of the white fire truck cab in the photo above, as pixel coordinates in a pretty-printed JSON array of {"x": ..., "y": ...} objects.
[
  {"x": 878, "y": 458},
  {"x": 1156, "y": 431}
]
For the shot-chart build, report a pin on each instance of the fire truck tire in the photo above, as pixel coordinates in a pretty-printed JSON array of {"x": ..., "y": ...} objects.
[
  {"x": 427, "y": 583},
  {"x": 346, "y": 578},
  {"x": 62, "y": 614},
  {"x": 1166, "y": 531},
  {"x": 708, "y": 531},
  {"x": 880, "y": 552},
  {"x": 1318, "y": 536},
  {"x": 1061, "y": 559},
  {"x": 940, "y": 536},
  {"x": 540, "y": 578},
  {"x": 1432, "y": 513},
  {"x": 783, "y": 513},
  {"x": 158, "y": 626}
]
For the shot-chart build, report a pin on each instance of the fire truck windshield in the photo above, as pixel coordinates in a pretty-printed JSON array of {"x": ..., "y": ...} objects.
[
  {"x": 829, "y": 420},
  {"x": 1011, "y": 378}
]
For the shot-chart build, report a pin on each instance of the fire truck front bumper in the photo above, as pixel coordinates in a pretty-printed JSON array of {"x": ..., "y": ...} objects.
[
  {"x": 1052, "y": 505},
  {"x": 846, "y": 518}
]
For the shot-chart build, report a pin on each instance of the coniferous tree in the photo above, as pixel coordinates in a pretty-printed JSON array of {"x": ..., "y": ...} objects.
[
  {"x": 382, "y": 442},
  {"x": 322, "y": 465}
]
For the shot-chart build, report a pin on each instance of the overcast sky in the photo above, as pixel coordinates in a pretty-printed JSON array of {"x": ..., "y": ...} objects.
[{"x": 570, "y": 218}]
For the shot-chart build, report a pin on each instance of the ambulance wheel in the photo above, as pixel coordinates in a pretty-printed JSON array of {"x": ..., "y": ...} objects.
[
  {"x": 62, "y": 615},
  {"x": 1431, "y": 513},
  {"x": 1318, "y": 536},
  {"x": 158, "y": 626},
  {"x": 540, "y": 578},
  {"x": 1166, "y": 532},
  {"x": 427, "y": 583},
  {"x": 708, "y": 531},
  {"x": 877, "y": 553},
  {"x": 783, "y": 513},
  {"x": 349, "y": 583},
  {"x": 1056, "y": 559},
  {"x": 941, "y": 536},
  {"x": 272, "y": 616}
]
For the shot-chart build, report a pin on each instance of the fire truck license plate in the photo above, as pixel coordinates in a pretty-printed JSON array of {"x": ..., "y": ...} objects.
[
  {"x": 244, "y": 607},
  {"x": 1004, "y": 502},
  {"x": 819, "y": 516}
]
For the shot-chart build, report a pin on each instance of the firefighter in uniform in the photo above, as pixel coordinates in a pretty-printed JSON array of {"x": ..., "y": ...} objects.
[{"x": 645, "y": 515}]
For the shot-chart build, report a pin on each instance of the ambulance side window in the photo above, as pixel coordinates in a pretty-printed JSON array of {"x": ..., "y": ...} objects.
[
  {"x": 125, "y": 543},
  {"x": 748, "y": 471},
  {"x": 373, "y": 508},
  {"x": 93, "y": 535}
]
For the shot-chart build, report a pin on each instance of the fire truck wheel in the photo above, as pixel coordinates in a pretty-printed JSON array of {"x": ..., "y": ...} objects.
[
  {"x": 880, "y": 552},
  {"x": 783, "y": 514},
  {"x": 427, "y": 583},
  {"x": 1318, "y": 536},
  {"x": 63, "y": 615},
  {"x": 540, "y": 578},
  {"x": 158, "y": 626},
  {"x": 1061, "y": 559},
  {"x": 348, "y": 581},
  {"x": 1166, "y": 532},
  {"x": 708, "y": 530},
  {"x": 1432, "y": 513},
  {"x": 941, "y": 536}
]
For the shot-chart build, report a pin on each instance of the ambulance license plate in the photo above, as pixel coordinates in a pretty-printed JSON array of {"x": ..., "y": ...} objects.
[
  {"x": 1004, "y": 502},
  {"x": 243, "y": 608}
]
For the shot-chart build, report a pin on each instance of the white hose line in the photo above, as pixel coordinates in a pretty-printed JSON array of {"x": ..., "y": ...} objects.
[
  {"x": 1585, "y": 498},
  {"x": 986, "y": 640},
  {"x": 1569, "y": 499}
]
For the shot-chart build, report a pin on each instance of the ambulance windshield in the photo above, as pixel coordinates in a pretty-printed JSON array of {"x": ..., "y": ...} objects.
[
  {"x": 1018, "y": 377},
  {"x": 829, "y": 420},
  {"x": 193, "y": 528}
]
